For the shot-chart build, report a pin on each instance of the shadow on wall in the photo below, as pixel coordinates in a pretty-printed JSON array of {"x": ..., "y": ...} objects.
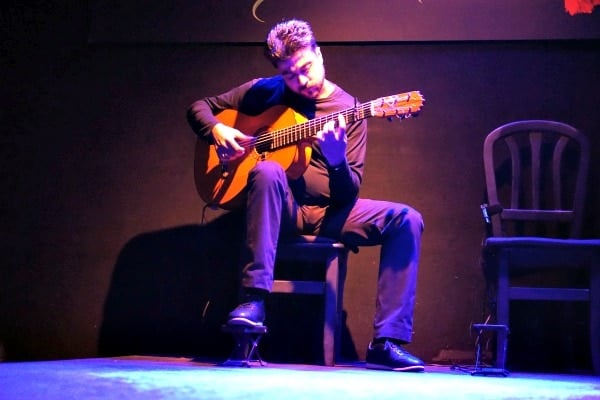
[{"x": 171, "y": 291}]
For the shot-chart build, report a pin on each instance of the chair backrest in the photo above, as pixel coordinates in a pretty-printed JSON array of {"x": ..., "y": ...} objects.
[{"x": 536, "y": 171}]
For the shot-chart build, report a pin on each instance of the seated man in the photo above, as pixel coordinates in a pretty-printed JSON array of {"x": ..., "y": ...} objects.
[{"x": 324, "y": 199}]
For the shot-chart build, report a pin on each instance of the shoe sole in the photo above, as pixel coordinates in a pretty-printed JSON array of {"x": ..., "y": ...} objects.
[
  {"x": 243, "y": 322},
  {"x": 410, "y": 368}
]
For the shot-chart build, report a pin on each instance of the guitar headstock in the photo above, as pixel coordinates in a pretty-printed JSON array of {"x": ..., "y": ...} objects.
[{"x": 401, "y": 106}]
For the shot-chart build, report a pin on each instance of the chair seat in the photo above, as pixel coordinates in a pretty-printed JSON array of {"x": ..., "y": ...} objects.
[
  {"x": 539, "y": 251},
  {"x": 527, "y": 241},
  {"x": 314, "y": 242},
  {"x": 300, "y": 239}
]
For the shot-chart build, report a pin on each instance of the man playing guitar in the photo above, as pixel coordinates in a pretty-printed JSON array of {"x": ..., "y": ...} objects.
[{"x": 315, "y": 190}]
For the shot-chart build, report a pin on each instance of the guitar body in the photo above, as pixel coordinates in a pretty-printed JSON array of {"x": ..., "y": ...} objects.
[{"x": 222, "y": 184}]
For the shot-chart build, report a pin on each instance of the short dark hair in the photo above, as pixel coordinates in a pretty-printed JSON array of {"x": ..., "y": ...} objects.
[{"x": 286, "y": 38}]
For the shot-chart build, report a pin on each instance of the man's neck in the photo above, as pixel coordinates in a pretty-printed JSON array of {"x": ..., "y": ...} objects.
[{"x": 328, "y": 88}]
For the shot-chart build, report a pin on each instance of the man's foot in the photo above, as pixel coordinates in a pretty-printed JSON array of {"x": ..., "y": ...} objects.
[
  {"x": 390, "y": 356},
  {"x": 250, "y": 313}
]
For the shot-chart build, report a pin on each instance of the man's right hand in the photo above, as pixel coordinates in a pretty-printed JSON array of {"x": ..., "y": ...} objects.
[{"x": 229, "y": 142}]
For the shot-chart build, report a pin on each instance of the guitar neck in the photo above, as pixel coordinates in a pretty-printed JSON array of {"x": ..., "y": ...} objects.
[
  {"x": 273, "y": 140},
  {"x": 402, "y": 105}
]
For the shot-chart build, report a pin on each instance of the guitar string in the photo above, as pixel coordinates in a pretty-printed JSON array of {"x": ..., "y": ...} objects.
[
  {"x": 308, "y": 126},
  {"x": 311, "y": 125}
]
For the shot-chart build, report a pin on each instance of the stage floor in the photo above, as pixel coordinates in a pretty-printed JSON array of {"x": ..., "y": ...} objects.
[{"x": 143, "y": 377}]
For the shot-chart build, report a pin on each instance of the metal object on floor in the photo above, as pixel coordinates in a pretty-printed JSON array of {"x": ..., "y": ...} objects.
[
  {"x": 501, "y": 332},
  {"x": 245, "y": 352}
]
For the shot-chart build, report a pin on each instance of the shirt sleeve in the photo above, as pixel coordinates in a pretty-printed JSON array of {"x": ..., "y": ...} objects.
[
  {"x": 201, "y": 114},
  {"x": 345, "y": 180}
]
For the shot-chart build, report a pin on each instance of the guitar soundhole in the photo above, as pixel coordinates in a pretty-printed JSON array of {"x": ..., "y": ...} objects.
[{"x": 263, "y": 146}]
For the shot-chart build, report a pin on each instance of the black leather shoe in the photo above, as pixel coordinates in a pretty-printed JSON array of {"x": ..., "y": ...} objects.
[
  {"x": 250, "y": 313},
  {"x": 390, "y": 356}
]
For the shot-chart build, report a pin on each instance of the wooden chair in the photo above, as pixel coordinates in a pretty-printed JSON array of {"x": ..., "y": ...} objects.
[
  {"x": 334, "y": 256},
  {"x": 535, "y": 173}
]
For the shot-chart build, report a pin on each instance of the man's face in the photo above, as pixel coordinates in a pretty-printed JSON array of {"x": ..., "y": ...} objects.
[{"x": 304, "y": 72}]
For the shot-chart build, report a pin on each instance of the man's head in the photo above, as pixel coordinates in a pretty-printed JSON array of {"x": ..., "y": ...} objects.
[
  {"x": 292, "y": 48},
  {"x": 288, "y": 37}
]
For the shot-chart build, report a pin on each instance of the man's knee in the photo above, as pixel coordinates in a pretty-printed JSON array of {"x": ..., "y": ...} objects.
[
  {"x": 416, "y": 218},
  {"x": 410, "y": 217},
  {"x": 266, "y": 171}
]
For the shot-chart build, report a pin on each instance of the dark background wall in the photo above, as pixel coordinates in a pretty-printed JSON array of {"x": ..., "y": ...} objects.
[{"x": 102, "y": 247}]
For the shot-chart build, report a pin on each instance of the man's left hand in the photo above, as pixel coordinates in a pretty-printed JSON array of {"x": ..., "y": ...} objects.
[{"x": 333, "y": 141}]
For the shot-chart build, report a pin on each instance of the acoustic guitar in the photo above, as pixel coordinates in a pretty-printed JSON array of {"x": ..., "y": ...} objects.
[{"x": 282, "y": 135}]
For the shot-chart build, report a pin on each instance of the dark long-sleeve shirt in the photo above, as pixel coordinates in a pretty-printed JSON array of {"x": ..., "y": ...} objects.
[{"x": 320, "y": 184}]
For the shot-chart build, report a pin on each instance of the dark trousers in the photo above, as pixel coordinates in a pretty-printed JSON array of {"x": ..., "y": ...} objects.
[{"x": 273, "y": 214}]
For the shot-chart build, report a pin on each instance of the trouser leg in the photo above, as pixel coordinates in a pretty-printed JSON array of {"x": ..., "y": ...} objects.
[
  {"x": 398, "y": 229},
  {"x": 269, "y": 209}
]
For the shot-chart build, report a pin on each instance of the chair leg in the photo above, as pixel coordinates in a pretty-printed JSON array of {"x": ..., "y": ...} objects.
[
  {"x": 595, "y": 313},
  {"x": 342, "y": 270},
  {"x": 502, "y": 309},
  {"x": 330, "y": 323}
]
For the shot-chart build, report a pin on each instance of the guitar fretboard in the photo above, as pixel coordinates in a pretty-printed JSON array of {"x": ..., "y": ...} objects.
[
  {"x": 401, "y": 105},
  {"x": 269, "y": 141}
]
